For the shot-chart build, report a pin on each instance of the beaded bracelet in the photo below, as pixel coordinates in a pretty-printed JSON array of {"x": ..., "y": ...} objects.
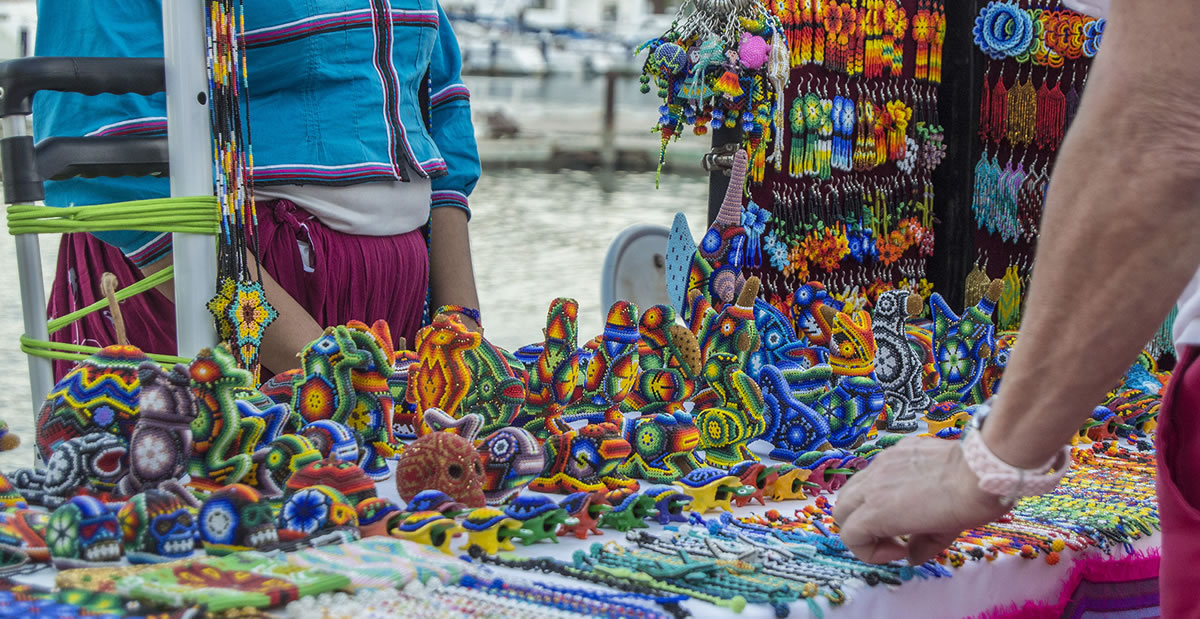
[{"x": 469, "y": 312}]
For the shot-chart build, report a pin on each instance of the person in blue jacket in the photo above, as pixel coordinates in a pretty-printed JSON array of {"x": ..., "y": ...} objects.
[{"x": 362, "y": 135}]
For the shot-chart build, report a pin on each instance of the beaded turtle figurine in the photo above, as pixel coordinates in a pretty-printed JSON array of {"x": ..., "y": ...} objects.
[
  {"x": 585, "y": 460},
  {"x": 429, "y": 528},
  {"x": 711, "y": 488},
  {"x": 664, "y": 446},
  {"x": 377, "y": 516},
  {"x": 490, "y": 529},
  {"x": 586, "y": 508},
  {"x": 945, "y": 415},
  {"x": 629, "y": 511},
  {"x": 539, "y": 516},
  {"x": 436, "y": 501},
  {"x": 669, "y": 502}
]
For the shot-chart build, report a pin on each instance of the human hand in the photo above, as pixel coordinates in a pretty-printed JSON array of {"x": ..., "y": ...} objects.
[{"x": 921, "y": 489}]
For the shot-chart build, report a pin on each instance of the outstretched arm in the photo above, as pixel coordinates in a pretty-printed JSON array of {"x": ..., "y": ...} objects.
[{"x": 1118, "y": 246}]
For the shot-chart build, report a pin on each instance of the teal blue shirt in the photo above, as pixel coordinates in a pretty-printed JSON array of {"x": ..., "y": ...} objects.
[{"x": 341, "y": 92}]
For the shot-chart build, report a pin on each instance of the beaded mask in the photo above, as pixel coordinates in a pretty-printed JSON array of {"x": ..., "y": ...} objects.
[
  {"x": 345, "y": 477},
  {"x": 236, "y": 518},
  {"x": 99, "y": 395},
  {"x": 585, "y": 460},
  {"x": 898, "y": 365},
  {"x": 162, "y": 437},
  {"x": 611, "y": 369},
  {"x": 333, "y": 440},
  {"x": 315, "y": 511},
  {"x": 663, "y": 446},
  {"x": 554, "y": 373},
  {"x": 441, "y": 461},
  {"x": 83, "y": 533},
  {"x": 157, "y": 527}
]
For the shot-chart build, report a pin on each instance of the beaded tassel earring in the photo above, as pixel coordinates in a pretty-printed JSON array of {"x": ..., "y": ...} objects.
[
  {"x": 812, "y": 129},
  {"x": 796, "y": 122},
  {"x": 824, "y": 153},
  {"x": 1022, "y": 113},
  {"x": 998, "y": 118}
]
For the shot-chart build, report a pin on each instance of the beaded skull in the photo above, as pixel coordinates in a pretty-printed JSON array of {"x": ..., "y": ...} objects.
[
  {"x": 95, "y": 463},
  {"x": 236, "y": 518},
  {"x": 83, "y": 533},
  {"x": 315, "y": 511},
  {"x": 157, "y": 527},
  {"x": 441, "y": 461}
]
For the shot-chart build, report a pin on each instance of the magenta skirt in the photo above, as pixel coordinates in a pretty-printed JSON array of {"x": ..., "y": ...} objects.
[
  {"x": 1178, "y": 450},
  {"x": 336, "y": 277}
]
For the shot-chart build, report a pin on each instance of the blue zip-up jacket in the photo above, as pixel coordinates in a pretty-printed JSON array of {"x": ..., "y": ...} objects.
[{"x": 341, "y": 92}]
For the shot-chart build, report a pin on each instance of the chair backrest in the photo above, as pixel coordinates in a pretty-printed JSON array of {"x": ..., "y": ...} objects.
[{"x": 635, "y": 268}]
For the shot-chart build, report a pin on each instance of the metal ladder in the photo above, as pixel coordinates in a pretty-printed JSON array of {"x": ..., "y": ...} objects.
[{"x": 185, "y": 152}]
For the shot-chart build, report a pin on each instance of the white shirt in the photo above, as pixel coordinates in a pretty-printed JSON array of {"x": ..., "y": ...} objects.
[{"x": 1187, "y": 325}]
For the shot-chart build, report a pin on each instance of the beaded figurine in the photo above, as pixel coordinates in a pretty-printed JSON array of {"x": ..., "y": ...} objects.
[
  {"x": 711, "y": 488},
  {"x": 611, "y": 368},
  {"x": 669, "y": 502},
  {"x": 629, "y": 510},
  {"x": 83, "y": 533},
  {"x": 377, "y": 516},
  {"x": 317, "y": 511},
  {"x": 585, "y": 460},
  {"x": 793, "y": 425},
  {"x": 429, "y": 528},
  {"x": 441, "y": 461},
  {"x": 94, "y": 464},
  {"x": 157, "y": 527},
  {"x": 539, "y": 516},
  {"x": 586, "y": 508},
  {"x": 554, "y": 373},
  {"x": 490, "y": 529},
  {"x": 897, "y": 364},
  {"x": 345, "y": 477},
  {"x": 236, "y": 518},
  {"x": 962, "y": 345},
  {"x": 436, "y": 501},
  {"x": 162, "y": 436},
  {"x": 664, "y": 446},
  {"x": 669, "y": 357},
  {"x": 511, "y": 457},
  {"x": 228, "y": 427}
]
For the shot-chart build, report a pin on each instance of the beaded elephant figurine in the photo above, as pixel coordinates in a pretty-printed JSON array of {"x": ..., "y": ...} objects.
[
  {"x": 162, "y": 437},
  {"x": 611, "y": 368},
  {"x": 963, "y": 345},
  {"x": 230, "y": 426},
  {"x": 460, "y": 373},
  {"x": 585, "y": 460},
  {"x": 898, "y": 366},
  {"x": 669, "y": 359},
  {"x": 554, "y": 373},
  {"x": 93, "y": 465},
  {"x": 664, "y": 446}
]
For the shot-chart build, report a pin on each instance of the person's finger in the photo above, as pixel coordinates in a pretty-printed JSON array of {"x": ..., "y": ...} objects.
[
  {"x": 852, "y": 495},
  {"x": 865, "y": 533},
  {"x": 922, "y": 548}
]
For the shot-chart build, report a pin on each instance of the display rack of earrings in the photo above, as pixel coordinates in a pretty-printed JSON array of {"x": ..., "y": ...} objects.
[
  {"x": 851, "y": 196},
  {"x": 1034, "y": 72}
]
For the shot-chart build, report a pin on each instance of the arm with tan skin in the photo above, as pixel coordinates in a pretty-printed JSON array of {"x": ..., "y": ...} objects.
[
  {"x": 451, "y": 275},
  {"x": 285, "y": 338},
  {"x": 1118, "y": 246}
]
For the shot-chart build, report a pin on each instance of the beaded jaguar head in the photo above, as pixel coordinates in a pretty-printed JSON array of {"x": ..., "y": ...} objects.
[
  {"x": 236, "y": 518},
  {"x": 157, "y": 527},
  {"x": 585, "y": 460},
  {"x": 83, "y": 533},
  {"x": 441, "y": 461}
]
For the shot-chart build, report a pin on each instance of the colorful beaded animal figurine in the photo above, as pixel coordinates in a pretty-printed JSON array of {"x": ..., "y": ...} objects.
[
  {"x": 669, "y": 502},
  {"x": 554, "y": 373},
  {"x": 808, "y": 317},
  {"x": 669, "y": 356},
  {"x": 630, "y": 509},
  {"x": 333, "y": 440},
  {"x": 224, "y": 437},
  {"x": 611, "y": 368},
  {"x": 441, "y": 461},
  {"x": 161, "y": 443},
  {"x": 755, "y": 475},
  {"x": 157, "y": 527},
  {"x": 730, "y": 331},
  {"x": 10, "y": 498},
  {"x": 539, "y": 516},
  {"x": 374, "y": 403},
  {"x": 585, "y": 460},
  {"x": 663, "y": 445},
  {"x": 378, "y": 516},
  {"x": 727, "y": 429},
  {"x": 962, "y": 346},
  {"x": 586, "y": 508},
  {"x": 236, "y": 518},
  {"x": 100, "y": 394},
  {"x": 511, "y": 459},
  {"x": 490, "y": 529},
  {"x": 277, "y": 464},
  {"x": 790, "y": 484},
  {"x": 83, "y": 533},
  {"x": 429, "y": 528},
  {"x": 851, "y": 342},
  {"x": 25, "y": 529},
  {"x": 780, "y": 345},
  {"x": 793, "y": 426},
  {"x": 898, "y": 366},
  {"x": 436, "y": 501},
  {"x": 944, "y": 415},
  {"x": 711, "y": 488}
]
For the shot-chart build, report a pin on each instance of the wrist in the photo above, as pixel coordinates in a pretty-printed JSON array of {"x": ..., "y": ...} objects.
[
  {"x": 1007, "y": 443},
  {"x": 1003, "y": 478}
]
